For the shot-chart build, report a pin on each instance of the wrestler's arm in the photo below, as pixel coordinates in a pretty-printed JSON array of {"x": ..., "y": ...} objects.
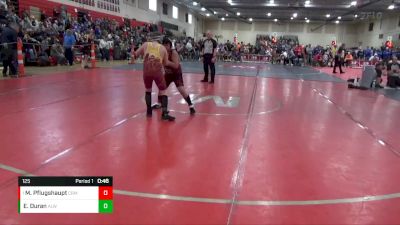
[
  {"x": 140, "y": 51},
  {"x": 166, "y": 61},
  {"x": 175, "y": 60}
]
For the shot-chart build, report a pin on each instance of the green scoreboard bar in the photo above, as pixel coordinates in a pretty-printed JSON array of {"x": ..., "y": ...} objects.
[{"x": 65, "y": 195}]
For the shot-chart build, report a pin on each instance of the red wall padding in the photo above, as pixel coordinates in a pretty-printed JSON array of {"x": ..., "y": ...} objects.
[{"x": 48, "y": 7}]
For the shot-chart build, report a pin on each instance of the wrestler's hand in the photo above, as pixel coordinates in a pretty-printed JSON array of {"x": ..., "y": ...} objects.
[{"x": 213, "y": 59}]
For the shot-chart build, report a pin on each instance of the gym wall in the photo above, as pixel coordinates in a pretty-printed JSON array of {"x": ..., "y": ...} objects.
[
  {"x": 306, "y": 33},
  {"x": 137, "y": 10}
]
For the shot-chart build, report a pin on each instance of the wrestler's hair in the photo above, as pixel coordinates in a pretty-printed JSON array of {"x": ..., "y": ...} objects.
[
  {"x": 154, "y": 36},
  {"x": 167, "y": 41}
]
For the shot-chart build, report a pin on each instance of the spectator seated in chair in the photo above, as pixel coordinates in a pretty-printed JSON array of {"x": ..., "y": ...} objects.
[
  {"x": 374, "y": 59},
  {"x": 317, "y": 60},
  {"x": 393, "y": 69},
  {"x": 348, "y": 59},
  {"x": 379, "y": 68},
  {"x": 43, "y": 59},
  {"x": 57, "y": 53}
]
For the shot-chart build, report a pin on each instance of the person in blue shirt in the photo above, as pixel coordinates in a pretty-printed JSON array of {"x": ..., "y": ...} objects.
[
  {"x": 386, "y": 55},
  {"x": 367, "y": 53},
  {"x": 69, "y": 42}
]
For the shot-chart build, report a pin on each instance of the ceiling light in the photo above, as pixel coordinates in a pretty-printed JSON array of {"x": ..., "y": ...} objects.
[
  {"x": 271, "y": 1},
  {"x": 306, "y": 18},
  {"x": 307, "y": 2},
  {"x": 230, "y": 2},
  {"x": 294, "y": 15},
  {"x": 339, "y": 18},
  {"x": 215, "y": 13},
  {"x": 355, "y": 15},
  {"x": 269, "y": 14},
  {"x": 391, "y": 6},
  {"x": 208, "y": 14},
  {"x": 227, "y": 15},
  {"x": 223, "y": 19},
  {"x": 291, "y": 18},
  {"x": 250, "y": 19},
  {"x": 353, "y": 3},
  {"x": 194, "y": 3},
  {"x": 328, "y": 15},
  {"x": 238, "y": 14},
  {"x": 337, "y": 21},
  {"x": 307, "y": 21},
  {"x": 203, "y": 9},
  {"x": 275, "y": 20}
]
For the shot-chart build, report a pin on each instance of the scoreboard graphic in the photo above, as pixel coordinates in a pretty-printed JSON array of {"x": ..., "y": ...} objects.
[{"x": 65, "y": 194}]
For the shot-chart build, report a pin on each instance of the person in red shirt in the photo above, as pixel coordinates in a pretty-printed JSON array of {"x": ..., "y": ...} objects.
[{"x": 348, "y": 59}]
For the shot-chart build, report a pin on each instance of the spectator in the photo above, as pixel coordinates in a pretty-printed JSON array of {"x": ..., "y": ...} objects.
[
  {"x": 309, "y": 54},
  {"x": 69, "y": 42},
  {"x": 9, "y": 49},
  {"x": 57, "y": 52},
  {"x": 368, "y": 53},
  {"x": 104, "y": 49},
  {"x": 109, "y": 48},
  {"x": 348, "y": 59},
  {"x": 3, "y": 4},
  {"x": 374, "y": 59},
  {"x": 393, "y": 68},
  {"x": 379, "y": 70}
]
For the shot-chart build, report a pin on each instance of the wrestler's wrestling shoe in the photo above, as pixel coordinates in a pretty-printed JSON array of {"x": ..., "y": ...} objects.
[
  {"x": 192, "y": 111},
  {"x": 167, "y": 117},
  {"x": 149, "y": 113}
]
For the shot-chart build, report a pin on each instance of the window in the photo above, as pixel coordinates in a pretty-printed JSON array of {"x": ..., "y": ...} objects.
[
  {"x": 153, "y": 5},
  {"x": 174, "y": 12},
  {"x": 371, "y": 27},
  {"x": 190, "y": 18},
  {"x": 165, "y": 8},
  {"x": 129, "y": 2}
]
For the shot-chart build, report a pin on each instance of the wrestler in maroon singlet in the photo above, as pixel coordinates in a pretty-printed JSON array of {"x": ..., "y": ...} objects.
[{"x": 173, "y": 73}]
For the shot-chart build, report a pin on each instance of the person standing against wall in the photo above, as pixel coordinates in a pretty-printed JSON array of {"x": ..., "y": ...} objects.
[{"x": 209, "y": 52}]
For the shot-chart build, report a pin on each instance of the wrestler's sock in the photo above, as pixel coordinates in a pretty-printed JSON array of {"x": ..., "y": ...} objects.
[
  {"x": 191, "y": 106},
  {"x": 164, "y": 106},
  {"x": 189, "y": 101},
  {"x": 148, "y": 103}
]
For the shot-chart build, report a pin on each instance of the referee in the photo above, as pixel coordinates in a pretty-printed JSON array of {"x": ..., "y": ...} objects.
[{"x": 209, "y": 53}]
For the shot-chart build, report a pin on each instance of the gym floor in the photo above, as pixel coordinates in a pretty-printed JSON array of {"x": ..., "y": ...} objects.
[{"x": 269, "y": 145}]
